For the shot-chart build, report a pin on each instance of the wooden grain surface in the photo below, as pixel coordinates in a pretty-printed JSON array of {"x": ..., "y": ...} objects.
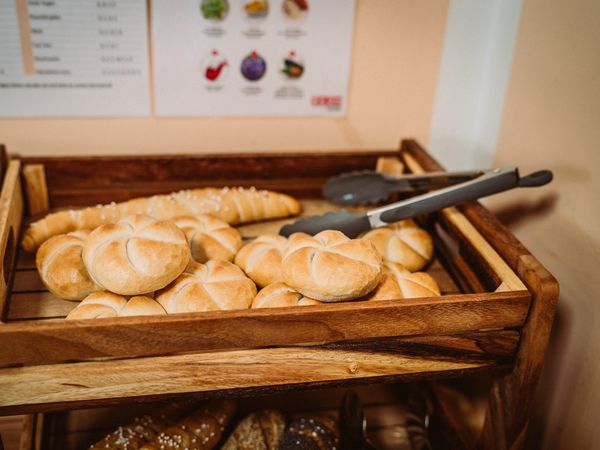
[
  {"x": 83, "y": 180},
  {"x": 36, "y": 189},
  {"x": 58, "y": 386},
  {"x": 35, "y": 342},
  {"x": 11, "y": 213}
]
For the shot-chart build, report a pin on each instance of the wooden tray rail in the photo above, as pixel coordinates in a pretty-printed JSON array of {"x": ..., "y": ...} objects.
[{"x": 483, "y": 320}]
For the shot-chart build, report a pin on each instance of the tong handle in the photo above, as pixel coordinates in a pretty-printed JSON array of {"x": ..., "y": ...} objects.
[
  {"x": 489, "y": 183},
  {"x": 539, "y": 178}
]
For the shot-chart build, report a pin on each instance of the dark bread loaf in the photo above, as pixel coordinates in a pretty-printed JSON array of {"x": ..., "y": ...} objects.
[
  {"x": 311, "y": 433},
  {"x": 260, "y": 430},
  {"x": 201, "y": 430},
  {"x": 142, "y": 429}
]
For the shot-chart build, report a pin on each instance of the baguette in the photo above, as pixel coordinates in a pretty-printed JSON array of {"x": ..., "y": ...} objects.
[{"x": 232, "y": 205}]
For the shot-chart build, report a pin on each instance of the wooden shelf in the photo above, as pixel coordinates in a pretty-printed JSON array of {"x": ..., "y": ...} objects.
[{"x": 495, "y": 313}]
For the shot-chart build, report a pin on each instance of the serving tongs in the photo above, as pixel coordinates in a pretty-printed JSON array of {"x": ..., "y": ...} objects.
[
  {"x": 368, "y": 187},
  {"x": 488, "y": 183}
]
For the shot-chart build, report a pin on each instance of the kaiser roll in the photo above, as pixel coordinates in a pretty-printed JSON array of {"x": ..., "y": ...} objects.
[
  {"x": 216, "y": 285},
  {"x": 136, "y": 255},
  {"x": 97, "y": 305},
  {"x": 261, "y": 259},
  {"x": 141, "y": 305},
  {"x": 61, "y": 267},
  {"x": 106, "y": 304},
  {"x": 331, "y": 267},
  {"x": 280, "y": 294},
  {"x": 398, "y": 282},
  {"x": 209, "y": 237},
  {"x": 403, "y": 242}
]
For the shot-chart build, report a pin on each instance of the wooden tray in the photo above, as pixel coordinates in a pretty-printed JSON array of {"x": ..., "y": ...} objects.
[{"x": 495, "y": 314}]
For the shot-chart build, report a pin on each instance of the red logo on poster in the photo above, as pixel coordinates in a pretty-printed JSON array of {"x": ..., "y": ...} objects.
[{"x": 333, "y": 101}]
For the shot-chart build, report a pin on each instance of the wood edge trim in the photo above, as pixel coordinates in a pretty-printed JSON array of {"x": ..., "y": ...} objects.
[
  {"x": 36, "y": 189},
  {"x": 9, "y": 200},
  {"x": 510, "y": 280}
]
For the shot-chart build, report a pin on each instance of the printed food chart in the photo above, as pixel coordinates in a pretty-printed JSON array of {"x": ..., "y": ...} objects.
[
  {"x": 251, "y": 57},
  {"x": 65, "y": 58}
]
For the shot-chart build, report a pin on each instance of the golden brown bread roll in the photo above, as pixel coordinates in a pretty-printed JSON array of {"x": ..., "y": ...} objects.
[
  {"x": 136, "y": 255},
  {"x": 233, "y": 205},
  {"x": 216, "y": 285},
  {"x": 261, "y": 259},
  {"x": 98, "y": 305},
  {"x": 141, "y": 305},
  {"x": 61, "y": 267},
  {"x": 209, "y": 237},
  {"x": 278, "y": 295},
  {"x": 260, "y": 430},
  {"x": 107, "y": 304},
  {"x": 403, "y": 242},
  {"x": 331, "y": 267},
  {"x": 201, "y": 430},
  {"x": 398, "y": 282}
]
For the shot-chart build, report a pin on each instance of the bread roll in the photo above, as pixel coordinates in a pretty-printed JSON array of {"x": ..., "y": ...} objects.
[
  {"x": 261, "y": 259},
  {"x": 209, "y": 237},
  {"x": 61, "y": 267},
  {"x": 142, "y": 429},
  {"x": 201, "y": 430},
  {"x": 331, "y": 267},
  {"x": 311, "y": 433},
  {"x": 260, "y": 430},
  {"x": 140, "y": 305},
  {"x": 136, "y": 255},
  {"x": 233, "y": 205},
  {"x": 98, "y": 305},
  {"x": 279, "y": 295},
  {"x": 398, "y": 282},
  {"x": 403, "y": 242},
  {"x": 216, "y": 285},
  {"x": 106, "y": 304}
]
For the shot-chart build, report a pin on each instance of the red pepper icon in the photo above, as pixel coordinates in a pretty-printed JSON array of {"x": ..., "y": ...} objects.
[{"x": 212, "y": 73}]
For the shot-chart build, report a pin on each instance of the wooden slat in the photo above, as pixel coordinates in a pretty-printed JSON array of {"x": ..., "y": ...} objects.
[
  {"x": 11, "y": 212},
  {"x": 27, "y": 281},
  {"x": 42, "y": 342},
  {"x": 80, "y": 181},
  {"x": 509, "y": 279},
  {"x": 36, "y": 189},
  {"x": 37, "y": 305},
  {"x": 59, "y": 386}
]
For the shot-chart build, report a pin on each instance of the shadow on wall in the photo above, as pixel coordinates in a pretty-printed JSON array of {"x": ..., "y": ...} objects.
[{"x": 516, "y": 213}]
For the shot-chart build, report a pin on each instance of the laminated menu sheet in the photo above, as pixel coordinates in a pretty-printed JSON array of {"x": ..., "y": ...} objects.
[
  {"x": 251, "y": 57},
  {"x": 74, "y": 58}
]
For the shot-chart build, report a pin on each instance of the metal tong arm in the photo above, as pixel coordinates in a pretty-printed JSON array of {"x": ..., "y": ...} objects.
[{"x": 491, "y": 182}]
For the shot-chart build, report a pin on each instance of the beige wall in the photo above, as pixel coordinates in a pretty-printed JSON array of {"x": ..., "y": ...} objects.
[
  {"x": 396, "y": 54},
  {"x": 552, "y": 120}
]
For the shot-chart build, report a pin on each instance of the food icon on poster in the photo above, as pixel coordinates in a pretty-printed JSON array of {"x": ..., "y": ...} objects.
[
  {"x": 253, "y": 67},
  {"x": 256, "y": 8},
  {"x": 215, "y": 67},
  {"x": 295, "y": 9},
  {"x": 214, "y": 9},
  {"x": 293, "y": 66}
]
